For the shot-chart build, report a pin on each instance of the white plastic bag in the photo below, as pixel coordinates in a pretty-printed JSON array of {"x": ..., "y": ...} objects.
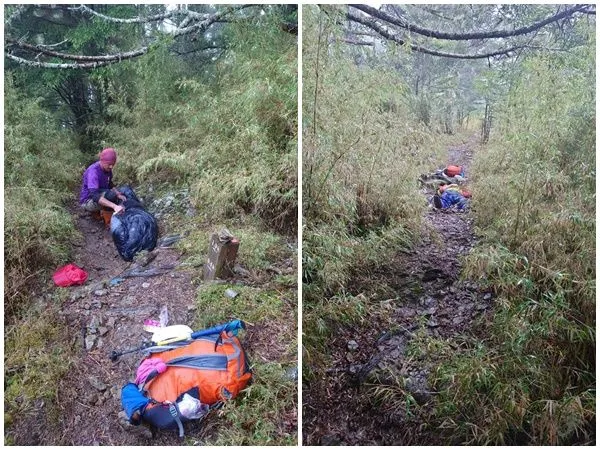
[{"x": 191, "y": 408}]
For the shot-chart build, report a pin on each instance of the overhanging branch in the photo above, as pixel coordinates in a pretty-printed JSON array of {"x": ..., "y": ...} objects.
[
  {"x": 91, "y": 62},
  {"x": 413, "y": 28},
  {"x": 383, "y": 32},
  {"x": 44, "y": 50},
  {"x": 45, "y": 65}
]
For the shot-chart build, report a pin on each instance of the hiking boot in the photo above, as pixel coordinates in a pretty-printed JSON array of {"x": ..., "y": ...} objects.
[{"x": 437, "y": 201}]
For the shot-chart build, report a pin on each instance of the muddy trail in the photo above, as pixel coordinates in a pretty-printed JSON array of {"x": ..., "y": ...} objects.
[
  {"x": 420, "y": 290},
  {"x": 101, "y": 317}
]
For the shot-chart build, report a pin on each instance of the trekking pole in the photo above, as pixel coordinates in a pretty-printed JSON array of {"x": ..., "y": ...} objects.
[
  {"x": 177, "y": 335},
  {"x": 114, "y": 355}
]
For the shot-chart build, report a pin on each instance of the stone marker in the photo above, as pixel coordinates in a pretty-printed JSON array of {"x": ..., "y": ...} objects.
[{"x": 222, "y": 252}]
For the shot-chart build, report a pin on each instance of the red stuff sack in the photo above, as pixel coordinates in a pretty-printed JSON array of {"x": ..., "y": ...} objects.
[{"x": 69, "y": 275}]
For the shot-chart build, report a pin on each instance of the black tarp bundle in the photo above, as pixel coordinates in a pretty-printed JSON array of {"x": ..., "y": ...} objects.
[{"x": 134, "y": 229}]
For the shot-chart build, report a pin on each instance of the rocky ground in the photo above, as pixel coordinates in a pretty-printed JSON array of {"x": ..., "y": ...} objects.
[
  {"x": 107, "y": 313},
  {"x": 419, "y": 290},
  {"x": 106, "y": 318}
]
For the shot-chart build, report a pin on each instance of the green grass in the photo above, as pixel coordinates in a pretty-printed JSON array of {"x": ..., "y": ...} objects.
[
  {"x": 253, "y": 305},
  {"x": 37, "y": 227},
  {"x": 37, "y": 355},
  {"x": 530, "y": 378},
  {"x": 265, "y": 413}
]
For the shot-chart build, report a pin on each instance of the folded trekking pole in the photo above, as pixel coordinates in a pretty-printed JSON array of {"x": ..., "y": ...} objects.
[{"x": 178, "y": 333}]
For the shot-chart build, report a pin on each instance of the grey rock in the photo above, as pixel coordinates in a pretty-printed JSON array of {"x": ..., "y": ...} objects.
[
  {"x": 487, "y": 296},
  {"x": 241, "y": 271},
  {"x": 82, "y": 293},
  {"x": 102, "y": 331},
  {"x": 458, "y": 320},
  {"x": 292, "y": 373},
  {"x": 427, "y": 301},
  {"x": 98, "y": 286},
  {"x": 96, "y": 304},
  {"x": 101, "y": 292},
  {"x": 405, "y": 312},
  {"x": 110, "y": 323},
  {"x": 432, "y": 323},
  {"x": 90, "y": 339},
  {"x": 91, "y": 398},
  {"x": 230, "y": 293},
  {"x": 352, "y": 345},
  {"x": 481, "y": 307},
  {"x": 354, "y": 369},
  {"x": 116, "y": 394},
  {"x": 97, "y": 384},
  {"x": 94, "y": 323},
  {"x": 429, "y": 311},
  {"x": 145, "y": 285}
]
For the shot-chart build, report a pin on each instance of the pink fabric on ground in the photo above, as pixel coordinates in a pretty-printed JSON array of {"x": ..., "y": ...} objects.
[{"x": 147, "y": 367}]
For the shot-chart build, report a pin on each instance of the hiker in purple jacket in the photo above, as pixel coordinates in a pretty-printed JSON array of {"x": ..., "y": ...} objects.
[{"x": 97, "y": 190}]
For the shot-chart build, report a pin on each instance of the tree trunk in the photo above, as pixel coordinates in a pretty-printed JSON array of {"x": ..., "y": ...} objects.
[{"x": 487, "y": 124}]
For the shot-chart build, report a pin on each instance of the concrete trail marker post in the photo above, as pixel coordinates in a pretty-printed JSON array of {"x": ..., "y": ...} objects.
[{"x": 222, "y": 252}]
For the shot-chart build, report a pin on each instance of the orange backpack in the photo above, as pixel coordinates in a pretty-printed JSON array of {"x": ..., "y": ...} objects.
[
  {"x": 218, "y": 369},
  {"x": 206, "y": 371}
]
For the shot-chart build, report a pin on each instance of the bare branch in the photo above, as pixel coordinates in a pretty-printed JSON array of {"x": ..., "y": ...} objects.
[
  {"x": 54, "y": 45},
  {"x": 47, "y": 52},
  {"x": 216, "y": 17},
  {"x": 91, "y": 62},
  {"x": 44, "y": 65},
  {"x": 179, "y": 12},
  {"x": 372, "y": 24},
  {"x": 466, "y": 36}
]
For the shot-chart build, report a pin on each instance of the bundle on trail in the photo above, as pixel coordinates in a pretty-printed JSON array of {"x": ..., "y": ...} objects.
[
  {"x": 134, "y": 229},
  {"x": 183, "y": 381}
]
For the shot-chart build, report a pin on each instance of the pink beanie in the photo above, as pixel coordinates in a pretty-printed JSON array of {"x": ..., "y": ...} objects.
[{"x": 108, "y": 155}]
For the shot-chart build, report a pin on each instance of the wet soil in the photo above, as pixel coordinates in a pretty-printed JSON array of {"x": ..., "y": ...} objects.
[
  {"x": 106, "y": 318},
  {"x": 418, "y": 289},
  {"x": 101, "y": 318}
]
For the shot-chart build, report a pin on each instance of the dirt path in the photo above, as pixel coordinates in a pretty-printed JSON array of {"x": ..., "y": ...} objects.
[
  {"x": 419, "y": 289},
  {"x": 103, "y": 318}
]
